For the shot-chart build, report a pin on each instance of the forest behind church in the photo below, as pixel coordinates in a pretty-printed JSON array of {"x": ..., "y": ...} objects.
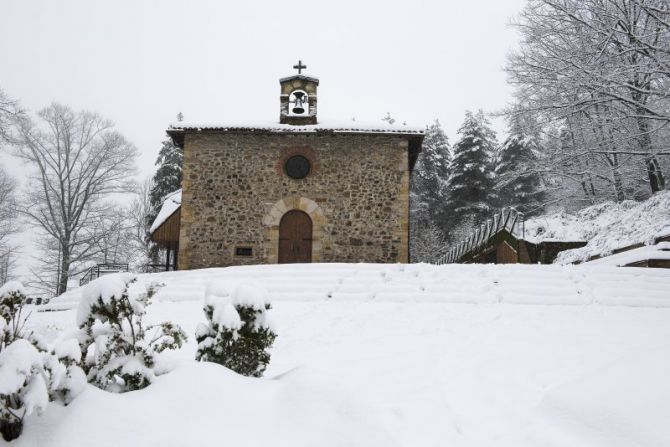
[{"x": 588, "y": 123}]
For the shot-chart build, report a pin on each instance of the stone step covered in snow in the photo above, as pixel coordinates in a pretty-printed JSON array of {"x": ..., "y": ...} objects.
[
  {"x": 514, "y": 284},
  {"x": 387, "y": 355}
]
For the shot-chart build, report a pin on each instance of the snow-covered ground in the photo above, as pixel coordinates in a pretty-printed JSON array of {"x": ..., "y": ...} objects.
[
  {"x": 393, "y": 355},
  {"x": 606, "y": 227},
  {"x": 659, "y": 252}
]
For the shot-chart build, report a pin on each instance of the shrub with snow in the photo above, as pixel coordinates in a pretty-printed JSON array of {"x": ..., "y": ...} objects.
[
  {"x": 23, "y": 386},
  {"x": 12, "y": 300},
  {"x": 22, "y": 376},
  {"x": 118, "y": 352},
  {"x": 67, "y": 379},
  {"x": 30, "y": 377},
  {"x": 239, "y": 332},
  {"x": 31, "y": 374}
]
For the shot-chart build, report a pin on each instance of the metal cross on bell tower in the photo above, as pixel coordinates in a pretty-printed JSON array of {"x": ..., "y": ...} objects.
[
  {"x": 298, "y": 98},
  {"x": 300, "y": 67}
]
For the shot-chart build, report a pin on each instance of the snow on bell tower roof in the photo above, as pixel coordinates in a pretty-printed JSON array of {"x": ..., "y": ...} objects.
[
  {"x": 297, "y": 101},
  {"x": 301, "y": 77}
]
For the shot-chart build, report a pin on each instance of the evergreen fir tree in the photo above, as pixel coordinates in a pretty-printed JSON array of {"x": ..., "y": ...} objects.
[
  {"x": 428, "y": 194},
  {"x": 167, "y": 178},
  {"x": 432, "y": 170},
  {"x": 518, "y": 183},
  {"x": 471, "y": 183}
]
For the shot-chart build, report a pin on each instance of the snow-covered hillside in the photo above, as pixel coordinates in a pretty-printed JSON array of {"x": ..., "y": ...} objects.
[
  {"x": 401, "y": 355},
  {"x": 606, "y": 226}
]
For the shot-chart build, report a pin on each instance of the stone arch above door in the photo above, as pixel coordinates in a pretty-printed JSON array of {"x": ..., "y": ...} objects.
[{"x": 273, "y": 218}]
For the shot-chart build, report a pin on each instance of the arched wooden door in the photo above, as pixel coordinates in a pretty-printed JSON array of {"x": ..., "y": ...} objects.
[{"x": 295, "y": 238}]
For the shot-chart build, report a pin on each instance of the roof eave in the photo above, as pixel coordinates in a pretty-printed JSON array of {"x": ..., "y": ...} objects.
[
  {"x": 299, "y": 76},
  {"x": 177, "y": 134}
]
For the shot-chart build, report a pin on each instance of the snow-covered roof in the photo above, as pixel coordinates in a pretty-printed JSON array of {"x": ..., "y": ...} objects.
[
  {"x": 660, "y": 251},
  {"x": 171, "y": 203},
  {"x": 381, "y": 127},
  {"x": 300, "y": 76}
]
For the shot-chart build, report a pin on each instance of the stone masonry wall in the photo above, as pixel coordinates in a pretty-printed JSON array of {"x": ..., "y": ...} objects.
[{"x": 232, "y": 182}]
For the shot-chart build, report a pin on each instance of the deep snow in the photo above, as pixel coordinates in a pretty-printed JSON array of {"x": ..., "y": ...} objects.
[
  {"x": 606, "y": 227},
  {"x": 401, "y": 355},
  {"x": 660, "y": 251}
]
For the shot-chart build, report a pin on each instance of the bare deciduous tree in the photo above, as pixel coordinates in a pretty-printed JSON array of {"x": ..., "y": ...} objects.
[
  {"x": 9, "y": 112},
  {"x": 113, "y": 245},
  {"x": 78, "y": 159},
  {"x": 140, "y": 214},
  {"x": 600, "y": 69},
  {"x": 7, "y": 225}
]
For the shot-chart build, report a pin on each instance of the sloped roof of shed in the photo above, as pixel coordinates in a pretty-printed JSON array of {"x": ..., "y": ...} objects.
[{"x": 171, "y": 204}]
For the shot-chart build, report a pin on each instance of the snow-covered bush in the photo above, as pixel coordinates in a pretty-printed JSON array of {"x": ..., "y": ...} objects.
[
  {"x": 12, "y": 300},
  {"x": 31, "y": 373},
  {"x": 67, "y": 379},
  {"x": 239, "y": 331},
  {"x": 22, "y": 375},
  {"x": 23, "y": 386},
  {"x": 118, "y": 353}
]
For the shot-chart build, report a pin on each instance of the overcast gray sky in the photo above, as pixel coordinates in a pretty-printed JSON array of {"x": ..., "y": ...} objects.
[{"x": 141, "y": 62}]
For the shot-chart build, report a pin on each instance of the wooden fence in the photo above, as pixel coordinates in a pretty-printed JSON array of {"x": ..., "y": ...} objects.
[{"x": 507, "y": 219}]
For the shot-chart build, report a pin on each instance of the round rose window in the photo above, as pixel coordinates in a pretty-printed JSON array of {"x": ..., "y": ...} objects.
[{"x": 297, "y": 167}]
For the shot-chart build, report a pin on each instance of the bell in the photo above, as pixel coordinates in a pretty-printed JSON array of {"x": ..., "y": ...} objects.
[{"x": 298, "y": 108}]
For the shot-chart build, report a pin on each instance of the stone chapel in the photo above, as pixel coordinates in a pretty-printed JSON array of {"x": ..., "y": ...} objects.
[{"x": 295, "y": 191}]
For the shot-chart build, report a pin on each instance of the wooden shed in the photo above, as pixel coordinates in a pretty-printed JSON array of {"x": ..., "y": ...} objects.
[
  {"x": 165, "y": 230},
  {"x": 502, "y": 240},
  {"x": 506, "y": 248}
]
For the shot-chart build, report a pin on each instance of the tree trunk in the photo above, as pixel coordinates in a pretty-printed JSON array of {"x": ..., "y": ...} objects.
[
  {"x": 656, "y": 179},
  {"x": 617, "y": 177},
  {"x": 618, "y": 182},
  {"x": 64, "y": 271},
  {"x": 587, "y": 179}
]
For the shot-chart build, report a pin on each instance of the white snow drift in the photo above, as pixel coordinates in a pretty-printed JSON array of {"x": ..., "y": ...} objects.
[
  {"x": 397, "y": 355},
  {"x": 606, "y": 227}
]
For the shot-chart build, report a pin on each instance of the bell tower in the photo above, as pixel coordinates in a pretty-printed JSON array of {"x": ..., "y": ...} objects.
[{"x": 298, "y": 98}]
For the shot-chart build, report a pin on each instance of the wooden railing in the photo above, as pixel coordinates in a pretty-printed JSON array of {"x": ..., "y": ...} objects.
[
  {"x": 100, "y": 270},
  {"x": 506, "y": 219}
]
